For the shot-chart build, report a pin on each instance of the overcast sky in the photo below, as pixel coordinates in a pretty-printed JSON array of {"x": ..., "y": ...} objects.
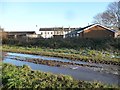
[{"x": 26, "y": 15}]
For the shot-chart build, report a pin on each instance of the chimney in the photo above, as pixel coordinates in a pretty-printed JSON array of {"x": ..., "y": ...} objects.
[
  {"x": 69, "y": 27},
  {"x": 62, "y": 28}
]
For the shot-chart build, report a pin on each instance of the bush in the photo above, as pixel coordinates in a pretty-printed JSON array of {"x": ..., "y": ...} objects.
[{"x": 70, "y": 43}]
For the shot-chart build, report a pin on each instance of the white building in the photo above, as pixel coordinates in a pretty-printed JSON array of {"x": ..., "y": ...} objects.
[{"x": 54, "y": 32}]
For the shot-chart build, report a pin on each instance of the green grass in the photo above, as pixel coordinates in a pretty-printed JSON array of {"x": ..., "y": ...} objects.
[
  {"x": 23, "y": 77},
  {"x": 82, "y": 54}
]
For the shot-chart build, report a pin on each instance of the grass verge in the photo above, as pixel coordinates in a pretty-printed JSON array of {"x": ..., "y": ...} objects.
[{"x": 23, "y": 77}]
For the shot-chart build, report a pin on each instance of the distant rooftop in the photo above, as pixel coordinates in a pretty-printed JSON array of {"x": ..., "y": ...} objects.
[{"x": 56, "y": 28}]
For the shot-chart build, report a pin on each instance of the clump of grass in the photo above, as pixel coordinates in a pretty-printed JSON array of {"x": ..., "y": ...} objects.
[{"x": 23, "y": 77}]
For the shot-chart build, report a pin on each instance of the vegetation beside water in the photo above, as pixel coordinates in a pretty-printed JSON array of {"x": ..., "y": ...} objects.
[
  {"x": 23, "y": 77},
  {"x": 95, "y": 50},
  {"x": 101, "y": 51},
  {"x": 82, "y": 54}
]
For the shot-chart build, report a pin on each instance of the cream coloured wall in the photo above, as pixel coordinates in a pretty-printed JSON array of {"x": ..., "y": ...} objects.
[{"x": 46, "y": 34}]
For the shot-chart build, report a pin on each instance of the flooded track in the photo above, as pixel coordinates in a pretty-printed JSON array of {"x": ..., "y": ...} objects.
[{"x": 103, "y": 73}]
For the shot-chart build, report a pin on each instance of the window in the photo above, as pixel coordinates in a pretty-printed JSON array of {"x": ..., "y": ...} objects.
[
  {"x": 41, "y": 33},
  {"x": 48, "y": 32},
  {"x": 51, "y": 32}
]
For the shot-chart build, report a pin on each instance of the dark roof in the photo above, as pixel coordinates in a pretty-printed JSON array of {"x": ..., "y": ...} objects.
[
  {"x": 20, "y": 32},
  {"x": 114, "y": 30},
  {"x": 56, "y": 29},
  {"x": 46, "y": 29},
  {"x": 70, "y": 29},
  {"x": 81, "y": 29},
  {"x": 51, "y": 29},
  {"x": 76, "y": 30}
]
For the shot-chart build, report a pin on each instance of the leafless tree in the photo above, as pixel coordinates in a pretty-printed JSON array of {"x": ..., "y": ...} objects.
[{"x": 110, "y": 17}]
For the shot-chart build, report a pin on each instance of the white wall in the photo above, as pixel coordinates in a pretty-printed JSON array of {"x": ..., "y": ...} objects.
[{"x": 46, "y": 34}]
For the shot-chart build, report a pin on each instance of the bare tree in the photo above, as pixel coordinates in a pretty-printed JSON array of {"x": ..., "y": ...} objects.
[{"x": 110, "y": 17}]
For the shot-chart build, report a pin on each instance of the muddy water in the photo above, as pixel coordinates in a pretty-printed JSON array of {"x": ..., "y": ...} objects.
[{"x": 81, "y": 73}]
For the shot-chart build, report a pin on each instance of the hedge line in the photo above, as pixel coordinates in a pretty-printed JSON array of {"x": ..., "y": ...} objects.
[{"x": 74, "y": 43}]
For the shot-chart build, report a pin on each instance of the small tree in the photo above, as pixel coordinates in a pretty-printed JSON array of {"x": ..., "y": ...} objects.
[{"x": 110, "y": 17}]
